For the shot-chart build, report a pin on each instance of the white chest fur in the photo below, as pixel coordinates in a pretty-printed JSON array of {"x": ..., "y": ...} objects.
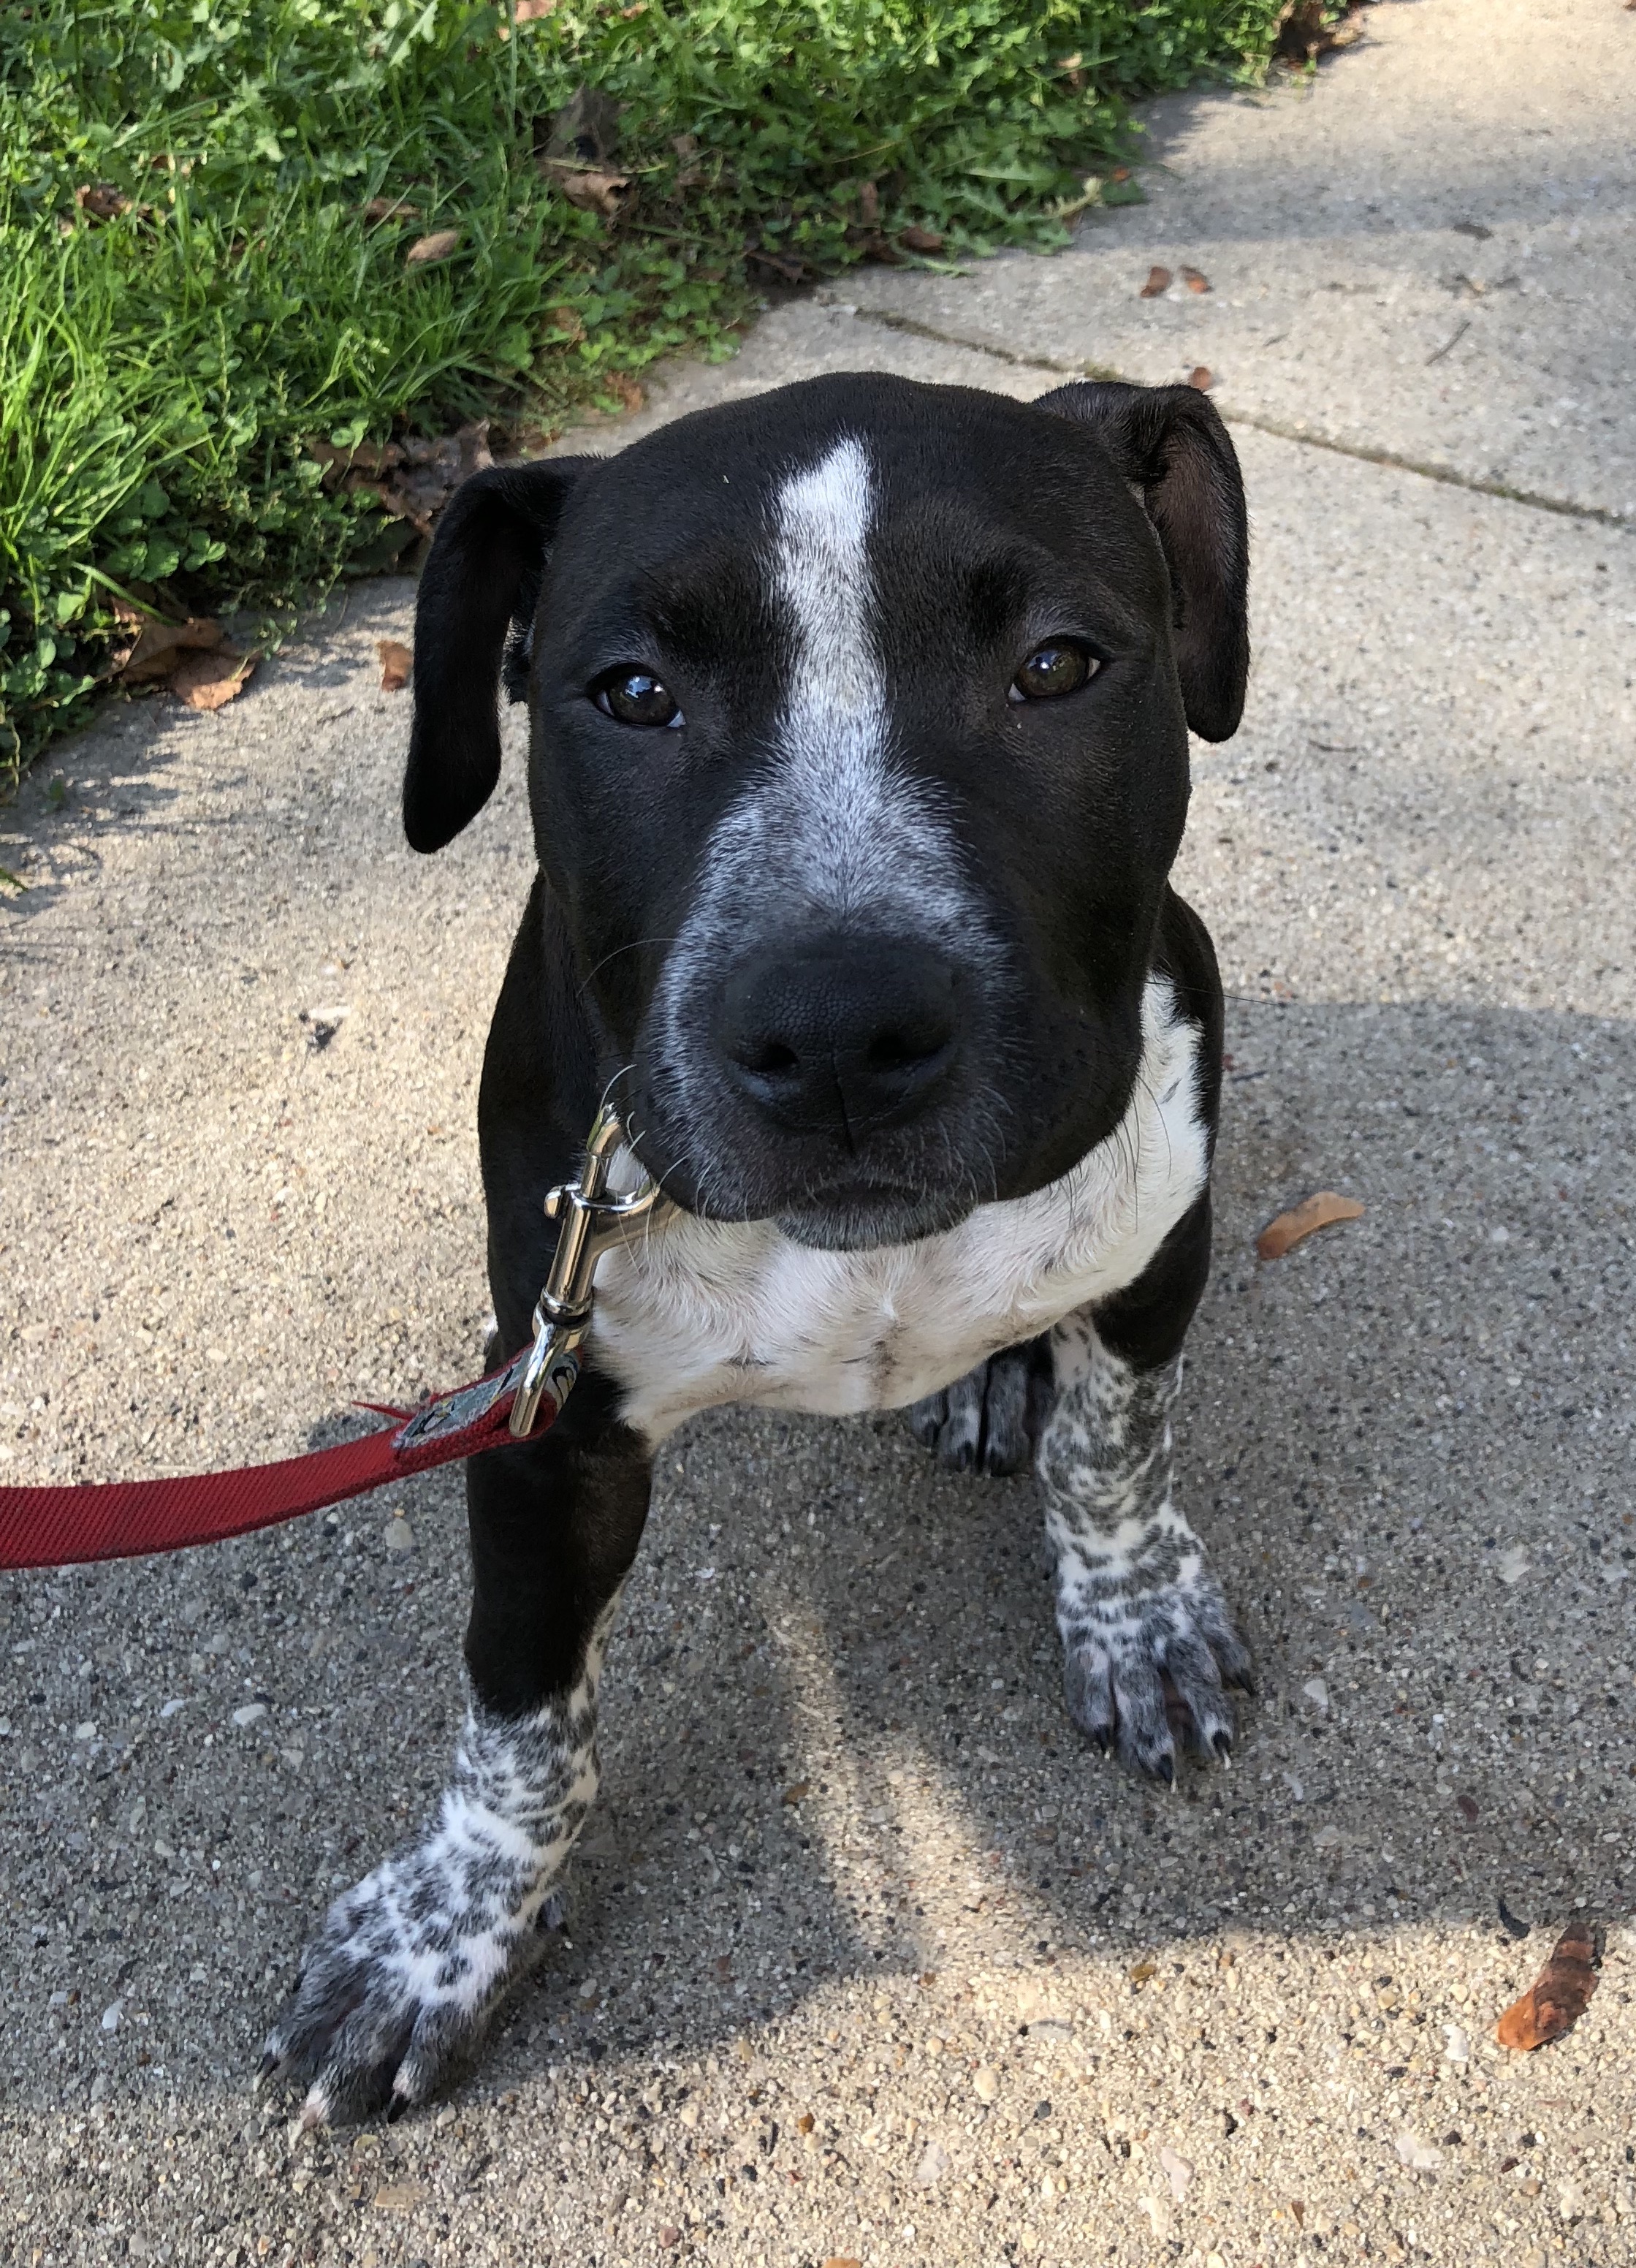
[{"x": 703, "y": 1313}]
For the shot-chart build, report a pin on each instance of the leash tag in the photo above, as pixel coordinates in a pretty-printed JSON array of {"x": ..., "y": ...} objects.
[{"x": 453, "y": 1412}]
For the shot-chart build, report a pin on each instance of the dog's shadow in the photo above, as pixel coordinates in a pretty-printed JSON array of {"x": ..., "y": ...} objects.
[{"x": 835, "y": 1735}]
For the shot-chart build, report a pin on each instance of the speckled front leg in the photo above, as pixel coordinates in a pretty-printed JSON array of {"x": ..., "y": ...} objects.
[
  {"x": 1137, "y": 1606},
  {"x": 397, "y": 1987},
  {"x": 400, "y": 1982}
]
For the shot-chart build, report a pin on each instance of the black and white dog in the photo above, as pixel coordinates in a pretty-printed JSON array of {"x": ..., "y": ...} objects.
[{"x": 859, "y": 763}]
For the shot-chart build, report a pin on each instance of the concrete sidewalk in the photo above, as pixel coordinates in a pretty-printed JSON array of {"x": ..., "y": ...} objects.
[{"x": 867, "y": 1958}]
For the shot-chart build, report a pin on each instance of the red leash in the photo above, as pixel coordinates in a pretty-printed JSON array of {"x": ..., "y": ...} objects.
[{"x": 122, "y": 1519}]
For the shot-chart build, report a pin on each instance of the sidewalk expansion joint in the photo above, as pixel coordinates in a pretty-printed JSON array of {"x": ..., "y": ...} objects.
[{"x": 1282, "y": 429}]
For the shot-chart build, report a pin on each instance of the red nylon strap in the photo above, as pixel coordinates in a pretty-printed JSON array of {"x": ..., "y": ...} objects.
[{"x": 123, "y": 1520}]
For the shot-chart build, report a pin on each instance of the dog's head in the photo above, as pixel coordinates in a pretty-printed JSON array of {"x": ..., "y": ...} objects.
[{"x": 859, "y": 761}]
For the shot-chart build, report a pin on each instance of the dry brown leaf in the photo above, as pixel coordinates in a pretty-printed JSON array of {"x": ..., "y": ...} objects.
[
  {"x": 591, "y": 189},
  {"x": 426, "y": 472},
  {"x": 1554, "y": 2003},
  {"x": 1201, "y": 378},
  {"x": 210, "y": 680},
  {"x": 919, "y": 239},
  {"x": 1195, "y": 279},
  {"x": 160, "y": 645},
  {"x": 380, "y": 208},
  {"x": 101, "y": 201},
  {"x": 1157, "y": 285},
  {"x": 788, "y": 271},
  {"x": 1304, "y": 31},
  {"x": 805, "y": 2122},
  {"x": 1320, "y": 1210},
  {"x": 396, "y": 664},
  {"x": 426, "y": 250}
]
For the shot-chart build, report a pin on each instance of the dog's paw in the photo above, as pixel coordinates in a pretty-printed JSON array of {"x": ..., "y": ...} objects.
[
  {"x": 1152, "y": 1658},
  {"x": 397, "y": 1988},
  {"x": 988, "y": 1421}
]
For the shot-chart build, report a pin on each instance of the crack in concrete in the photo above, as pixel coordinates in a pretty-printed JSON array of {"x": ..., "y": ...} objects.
[{"x": 1283, "y": 429}]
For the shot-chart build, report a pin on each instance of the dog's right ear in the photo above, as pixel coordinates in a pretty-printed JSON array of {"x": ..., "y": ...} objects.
[{"x": 481, "y": 583}]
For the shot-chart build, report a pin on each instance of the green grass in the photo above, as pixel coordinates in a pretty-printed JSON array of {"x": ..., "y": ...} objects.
[{"x": 162, "y": 373}]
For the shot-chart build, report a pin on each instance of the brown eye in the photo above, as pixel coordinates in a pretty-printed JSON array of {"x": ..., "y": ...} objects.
[
  {"x": 1061, "y": 666},
  {"x": 635, "y": 696}
]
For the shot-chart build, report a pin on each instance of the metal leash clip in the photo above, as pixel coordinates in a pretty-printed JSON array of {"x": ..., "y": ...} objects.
[{"x": 593, "y": 1221}]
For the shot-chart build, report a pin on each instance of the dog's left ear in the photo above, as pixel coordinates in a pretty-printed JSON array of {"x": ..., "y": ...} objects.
[
  {"x": 482, "y": 581},
  {"x": 1170, "y": 443}
]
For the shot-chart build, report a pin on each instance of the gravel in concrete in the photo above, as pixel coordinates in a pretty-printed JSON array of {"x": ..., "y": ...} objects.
[{"x": 867, "y": 1957}]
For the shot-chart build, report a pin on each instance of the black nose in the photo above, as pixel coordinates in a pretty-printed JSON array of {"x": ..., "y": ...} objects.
[{"x": 844, "y": 1041}]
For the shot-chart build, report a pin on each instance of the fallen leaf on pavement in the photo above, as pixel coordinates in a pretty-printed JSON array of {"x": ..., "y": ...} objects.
[
  {"x": 796, "y": 1790},
  {"x": 396, "y": 664},
  {"x": 160, "y": 645},
  {"x": 210, "y": 680},
  {"x": 1195, "y": 280},
  {"x": 1157, "y": 285},
  {"x": 1320, "y": 1210},
  {"x": 919, "y": 239},
  {"x": 426, "y": 250},
  {"x": 1201, "y": 378},
  {"x": 1554, "y": 2003}
]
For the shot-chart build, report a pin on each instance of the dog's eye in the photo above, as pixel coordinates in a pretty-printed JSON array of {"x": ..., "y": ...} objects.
[
  {"x": 1061, "y": 666},
  {"x": 635, "y": 696}
]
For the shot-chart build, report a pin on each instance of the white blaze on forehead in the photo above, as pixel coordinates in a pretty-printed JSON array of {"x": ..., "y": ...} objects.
[
  {"x": 824, "y": 517},
  {"x": 833, "y": 815}
]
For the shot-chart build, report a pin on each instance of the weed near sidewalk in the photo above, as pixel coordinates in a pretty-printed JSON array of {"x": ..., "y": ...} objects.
[{"x": 206, "y": 208}]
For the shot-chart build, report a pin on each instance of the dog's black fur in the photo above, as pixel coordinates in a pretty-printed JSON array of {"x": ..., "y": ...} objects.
[{"x": 1109, "y": 515}]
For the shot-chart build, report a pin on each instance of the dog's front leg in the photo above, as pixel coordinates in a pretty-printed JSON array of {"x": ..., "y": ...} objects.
[
  {"x": 1138, "y": 1609},
  {"x": 400, "y": 1982}
]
